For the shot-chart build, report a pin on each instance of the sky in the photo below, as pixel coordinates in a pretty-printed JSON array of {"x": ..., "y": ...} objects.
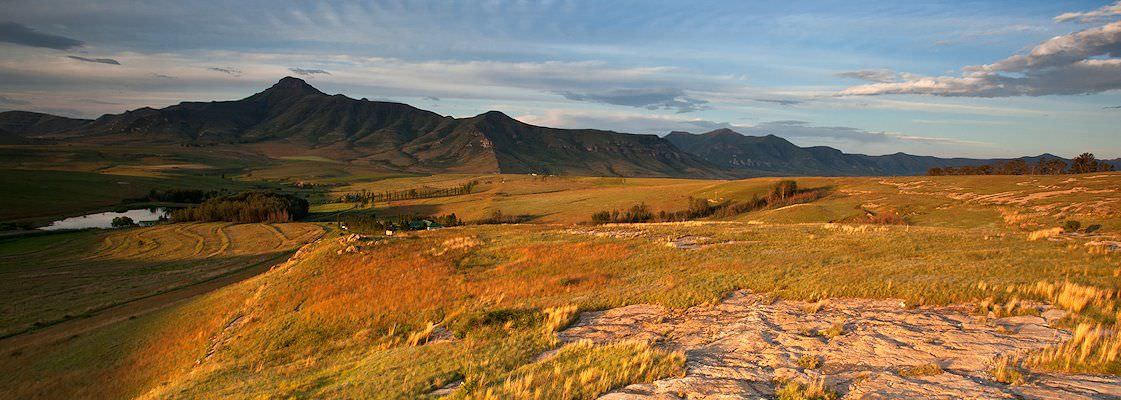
[{"x": 944, "y": 78}]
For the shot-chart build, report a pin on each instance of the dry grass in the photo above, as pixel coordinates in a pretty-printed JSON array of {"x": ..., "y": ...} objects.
[
  {"x": 929, "y": 369},
  {"x": 809, "y": 361},
  {"x": 583, "y": 370},
  {"x": 1008, "y": 370},
  {"x": 1045, "y": 233},
  {"x": 1093, "y": 348},
  {"x": 796, "y": 390}
]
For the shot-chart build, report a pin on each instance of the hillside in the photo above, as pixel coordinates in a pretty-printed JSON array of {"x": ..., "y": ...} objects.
[
  {"x": 772, "y": 155},
  {"x": 294, "y": 116},
  {"x": 501, "y": 311},
  {"x": 21, "y": 127}
]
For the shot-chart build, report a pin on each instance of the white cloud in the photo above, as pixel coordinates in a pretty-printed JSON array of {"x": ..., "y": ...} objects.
[{"x": 1077, "y": 63}]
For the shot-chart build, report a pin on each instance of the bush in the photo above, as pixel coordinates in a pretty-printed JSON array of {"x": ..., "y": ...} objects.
[
  {"x": 1072, "y": 226},
  {"x": 246, "y": 207},
  {"x": 121, "y": 222}
]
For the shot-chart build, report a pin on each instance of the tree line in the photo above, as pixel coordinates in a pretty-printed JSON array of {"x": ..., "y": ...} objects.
[
  {"x": 192, "y": 196},
  {"x": 369, "y": 197},
  {"x": 246, "y": 207},
  {"x": 374, "y": 223},
  {"x": 781, "y": 194},
  {"x": 1083, "y": 164}
]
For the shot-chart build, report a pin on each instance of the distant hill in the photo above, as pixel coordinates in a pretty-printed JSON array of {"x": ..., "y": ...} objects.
[
  {"x": 772, "y": 155},
  {"x": 294, "y": 114},
  {"x": 26, "y": 124}
]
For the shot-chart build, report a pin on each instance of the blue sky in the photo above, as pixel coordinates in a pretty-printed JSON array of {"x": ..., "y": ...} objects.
[{"x": 1000, "y": 78}]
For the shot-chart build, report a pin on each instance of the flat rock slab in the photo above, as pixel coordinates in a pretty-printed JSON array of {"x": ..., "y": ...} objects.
[{"x": 738, "y": 348}]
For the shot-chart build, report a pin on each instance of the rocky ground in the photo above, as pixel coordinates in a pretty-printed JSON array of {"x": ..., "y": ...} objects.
[{"x": 869, "y": 349}]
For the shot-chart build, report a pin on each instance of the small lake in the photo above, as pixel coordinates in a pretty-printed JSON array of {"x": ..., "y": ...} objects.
[{"x": 105, "y": 219}]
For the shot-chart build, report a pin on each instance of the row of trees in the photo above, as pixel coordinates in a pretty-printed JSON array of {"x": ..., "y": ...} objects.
[
  {"x": 368, "y": 197},
  {"x": 246, "y": 207},
  {"x": 374, "y": 223},
  {"x": 193, "y": 196},
  {"x": 1084, "y": 163},
  {"x": 781, "y": 194}
]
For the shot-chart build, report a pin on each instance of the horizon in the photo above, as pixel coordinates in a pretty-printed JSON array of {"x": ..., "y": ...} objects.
[{"x": 992, "y": 80}]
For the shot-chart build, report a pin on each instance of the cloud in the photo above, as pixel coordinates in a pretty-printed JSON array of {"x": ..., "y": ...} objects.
[
  {"x": 12, "y": 32},
  {"x": 783, "y": 102},
  {"x": 871, "y": 75},
  {"x": 109, "y": 61},
  {"x": 1112, "y": 108},
  {"x": 5, "y": 100},
  {"x": 804, "y": 130},
  {"x": 1077, "y": 63},
  {"x": 162, "y": 76},
  {"x": 308, "y": 72},
  {"x": 431, "y": 98},
  {"x": 1102, "y": 13},
  {"x": 648, "y": 98},
  {"x": 226, "y": 70}
]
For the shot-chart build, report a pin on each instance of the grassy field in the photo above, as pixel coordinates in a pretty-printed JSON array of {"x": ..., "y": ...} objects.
[
  {"x": 52, "y": 278},
  {"x": 400, "y": 317}
]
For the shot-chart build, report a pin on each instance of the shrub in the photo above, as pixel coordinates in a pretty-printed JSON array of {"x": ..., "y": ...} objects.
[
  {"x": 246, "y": 207},
  {"x": 809, "y": 361},
  {"x": 1072, "y": 226},
  {"x": 122, "y": 221}
]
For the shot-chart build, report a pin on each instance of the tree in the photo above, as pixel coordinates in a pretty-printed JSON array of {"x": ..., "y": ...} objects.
[
  {"x": 1084, "y": 163},
  {"x": 122, "y": 221}
]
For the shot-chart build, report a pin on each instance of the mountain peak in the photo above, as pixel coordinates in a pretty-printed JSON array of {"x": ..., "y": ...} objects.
[
  {"x": 723, "y": 132},
  {"x": 292, "y": 86}
]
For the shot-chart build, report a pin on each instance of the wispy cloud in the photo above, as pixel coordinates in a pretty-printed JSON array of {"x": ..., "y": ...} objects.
[
  {"x": 308, "y": 72},
  {"x": 109, "y": 61},
  {"x": 648, "y": 98},
  {"x": 1102, "y": 13},
  {"x": 1112, "y": 108},
  {"x": 5, "y": 100},
  {"x": 781, "y": 102},
  {"x": 871, "y": 75},
  {"x": 802, "y": 129},
  {"x": 226, "y": 70},
  {"x": 12, "y": 32}
]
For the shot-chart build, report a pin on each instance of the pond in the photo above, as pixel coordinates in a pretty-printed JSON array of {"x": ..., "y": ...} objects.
[{"x": 105, "y": 219}]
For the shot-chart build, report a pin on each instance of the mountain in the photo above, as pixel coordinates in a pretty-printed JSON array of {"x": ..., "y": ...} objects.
[
  {"x": 772, "y": 155},
  {"x": 23, "y": 126},
  {"x": 294, "y": 116}
]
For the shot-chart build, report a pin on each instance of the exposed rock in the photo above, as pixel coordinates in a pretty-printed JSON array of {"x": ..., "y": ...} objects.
[{"x": 737, "y": 348}]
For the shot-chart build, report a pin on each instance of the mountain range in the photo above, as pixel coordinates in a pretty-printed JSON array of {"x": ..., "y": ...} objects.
[{"x": 292, "y": 117}]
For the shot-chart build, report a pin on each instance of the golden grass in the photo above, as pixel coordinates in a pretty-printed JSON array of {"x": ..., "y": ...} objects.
[
  {"x": 797, "y": 390},
  {"x": 582, "y": 370},
  {"x": 929, "y": 369},
  {"x": 1008, "y": 370},
  {"x": 1045, "y": 233},
  {"x": 1092, "y": 348}
]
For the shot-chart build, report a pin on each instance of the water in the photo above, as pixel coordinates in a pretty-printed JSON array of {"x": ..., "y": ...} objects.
[{"x": 105, "y": 219}]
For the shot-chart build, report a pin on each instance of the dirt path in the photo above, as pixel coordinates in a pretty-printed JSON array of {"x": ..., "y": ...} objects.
[
  {"x": 135, "y": 307},
  {"x": 861, "y": 348}
]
